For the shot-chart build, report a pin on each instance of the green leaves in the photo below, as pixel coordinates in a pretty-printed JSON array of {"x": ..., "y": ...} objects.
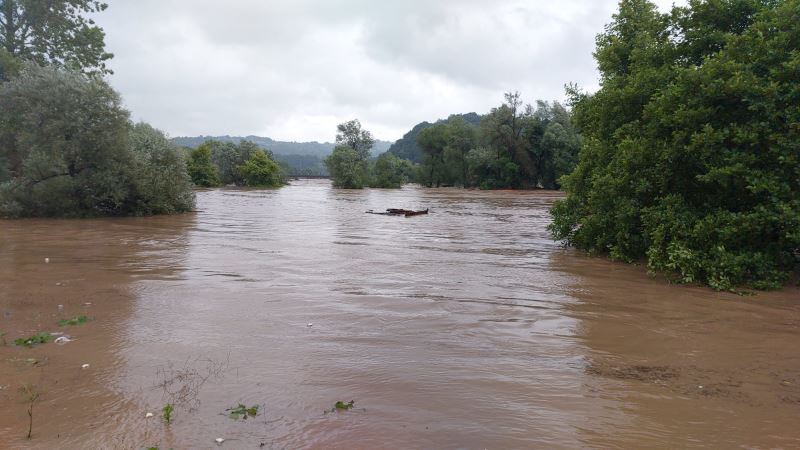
[
  {"x": 77, "y": 320},
  {"x": 242, "y": 412},
  {"x": 347, "y": 168},
  {"x": 88, "y": 160},
  {"x": 201, "y": 170},
  {"x": 690, "y": 155},
  {"x": 341, "y": 406},
  {"x": 166, "y": 412},
  {"x": 56, "y": 33},
  {"x": 261, "y": 171},
  {"x": 36, "y": 339},
  {"x": 344, "y": 406}
]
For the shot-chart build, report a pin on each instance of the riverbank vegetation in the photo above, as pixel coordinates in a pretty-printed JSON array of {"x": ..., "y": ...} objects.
[
  {"x": 69, "y": 149},
  {"x": 215, "y": 163},
  {"x": 67, "y": 146},
  {"x": 691, "y": 154},
  {"x": 351, "y": 168},
  {"x": 514, "y": 146}
]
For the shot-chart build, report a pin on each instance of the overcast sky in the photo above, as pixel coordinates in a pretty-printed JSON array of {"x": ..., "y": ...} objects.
[{"x": 293, "y": 69}]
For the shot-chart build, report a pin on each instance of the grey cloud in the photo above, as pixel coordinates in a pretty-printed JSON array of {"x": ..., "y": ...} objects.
[{"x": 294, "y": 69}]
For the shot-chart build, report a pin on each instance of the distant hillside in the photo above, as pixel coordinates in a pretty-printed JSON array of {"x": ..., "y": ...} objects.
[
  {"x": 407, "y": 148},
  {"x": 319, "y": 149}
]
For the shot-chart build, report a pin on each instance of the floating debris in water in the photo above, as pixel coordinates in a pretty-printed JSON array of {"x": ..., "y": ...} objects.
[
  {"x": 310, "y": 324},
  {"x": 219, "y": 441},
  {"x": 47, "y": 260},
  {"x": 62, "y": 340},
  {"x": 148, "y": 415},
  {"x": 85, "y": 366}
]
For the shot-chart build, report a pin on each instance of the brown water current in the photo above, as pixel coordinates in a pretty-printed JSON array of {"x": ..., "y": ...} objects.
[{"x": 466, "y": 328}]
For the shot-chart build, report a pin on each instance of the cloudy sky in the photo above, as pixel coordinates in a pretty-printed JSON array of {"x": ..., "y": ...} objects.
[{"x": 293, "y": 69}]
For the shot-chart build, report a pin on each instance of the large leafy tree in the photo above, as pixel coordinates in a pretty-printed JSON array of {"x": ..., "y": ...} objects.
[
  {"x": 389, "y": 172},
  {"x": 67, "y": 148},
  {"x": 348, "y": 170},
  {"x": 201, "y": 170},
  {"x": 54, "y": 32},
  {"x": 352, "y": 135},
  {"x": 691, "y": 157}
]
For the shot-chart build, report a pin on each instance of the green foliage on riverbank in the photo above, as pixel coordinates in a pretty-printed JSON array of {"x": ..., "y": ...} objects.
[
  {"x": 515, "y": 146},
  {"x": 68, "y": 148},
  {"x": 691, "y": 155}
]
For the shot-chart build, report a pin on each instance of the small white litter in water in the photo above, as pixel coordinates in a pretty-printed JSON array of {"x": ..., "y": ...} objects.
[
  {"x": 699, "y": 387},
  {"x": 58, "y": 284},
  {"x": 87, "y": 304},
  {"x": 57, "y": 333},
  {"x": 148, "y": 415},
  {"x": 46, "y": 260},
  {"x": 219, "y": 440},
  {"x": 310, "y": 324},
  {"x": 85, "y": 366},
  {"x": 62, "y": 340},
  {"x": 60, "y": 306}
]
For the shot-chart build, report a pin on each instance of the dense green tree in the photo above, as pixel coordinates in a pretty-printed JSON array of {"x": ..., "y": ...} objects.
[
  {"x": 228, "y": 158},
  {"x": 352, "y": 135},
  {"x": 407, "y": 147},
  {"x": 348, "y": 169},
  {"x": 161, "y": 184},
  {"x": 504, "y": 130},
  {"x": 202, "y": 171},
  {"x": 389, "y": 172},
  {"x": 68, "y": 149},
  {"x": 433, "y": 141},
  {"x": 515, "y": 146},
  {"x": 691, "y": 156},
  {"x": 9, "y": 66},
  {"x": 54, "y": 32},
  {"x": 261, "y": 171}
]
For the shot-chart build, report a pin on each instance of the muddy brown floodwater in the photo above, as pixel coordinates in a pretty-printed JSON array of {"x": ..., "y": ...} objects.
[{"x": 466, "y": 328}]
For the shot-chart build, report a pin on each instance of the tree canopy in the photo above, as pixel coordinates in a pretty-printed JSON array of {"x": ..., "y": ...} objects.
[
  {"x": 67, "y": 148},
  {"x": 691, "y": 154},
  {"x": 352, "y": 135},
  {"x": 513, "y": 146},
  {"x": 56, "y": 32},
  {"x": 261, "y": 171},
  {"x": 348, "y": 170}
]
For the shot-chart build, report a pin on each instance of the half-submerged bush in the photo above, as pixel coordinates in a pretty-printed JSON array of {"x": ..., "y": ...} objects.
[
  {"x": 261, "y": 171},
  {"x": 67, "y": 148}
]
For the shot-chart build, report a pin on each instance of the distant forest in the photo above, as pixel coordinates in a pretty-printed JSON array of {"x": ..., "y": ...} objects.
[{"x": 302, "y": 158}]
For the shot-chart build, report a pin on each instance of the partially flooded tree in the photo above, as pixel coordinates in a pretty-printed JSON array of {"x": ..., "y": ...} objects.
[
  {"x": 388, "y": 172},
  {"x": 261, "y": 171},
  {"x": 201, "y": 170},
  {"x": 348, "y": 170},
  {"x": 68, "y": 149}
]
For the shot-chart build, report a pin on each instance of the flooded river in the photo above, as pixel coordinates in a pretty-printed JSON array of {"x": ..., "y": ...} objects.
[{"x": 466, "y": 328}]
